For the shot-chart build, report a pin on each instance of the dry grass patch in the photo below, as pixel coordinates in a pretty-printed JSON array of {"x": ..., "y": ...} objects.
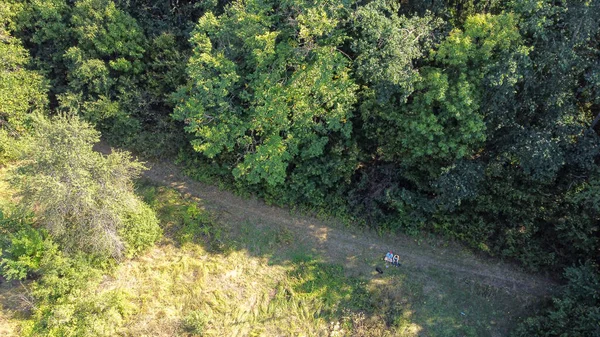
[{"x": 187, "y": 290}]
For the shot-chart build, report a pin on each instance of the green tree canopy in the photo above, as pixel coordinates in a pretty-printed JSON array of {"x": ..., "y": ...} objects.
[
  {"x": 22, "y": 91},
  {"x": 270, "y": 94}
]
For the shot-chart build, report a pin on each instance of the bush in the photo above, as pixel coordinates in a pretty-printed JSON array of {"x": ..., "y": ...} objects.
[
  {"x": 83, "y": 199},
  {"x": 86, "y": 314},
  {"x": 574, "y": 313},
  {"x": 140, "y": 229},
  {"x": 22, "y": 246},
  {"x": 23, "y": 254},
  {"x": 68, "y": 302},
  {"x": 64, "y": 298},
  {"x": 6, "y": 147}
]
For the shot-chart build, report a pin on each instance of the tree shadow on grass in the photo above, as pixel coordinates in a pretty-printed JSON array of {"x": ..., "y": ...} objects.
[{"x": 14, "y": 305}]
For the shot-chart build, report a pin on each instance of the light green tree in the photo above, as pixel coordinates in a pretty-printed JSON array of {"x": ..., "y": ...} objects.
[
  {"x": 22, "y": 91},
  {"x": 270, "y": 95}
]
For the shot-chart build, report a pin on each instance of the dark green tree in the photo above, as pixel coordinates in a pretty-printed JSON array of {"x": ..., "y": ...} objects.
[
  {"x": 104, "y": 67},
  {"x": 433, "y": 123},
  {"x": 575, "y": 312}
]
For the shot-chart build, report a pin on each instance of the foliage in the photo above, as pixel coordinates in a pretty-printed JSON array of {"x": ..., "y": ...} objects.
[
  {"x": 540, "y": 151},
  {"x": 62, "y": 298},
  {"x": 22, "y": 91},
  {"x": 273, "y": 104},
  {"x": 44, "y": 28},
  {"x": 140, "y": 229},
  {"x": 422, "y": 139},
  {"x": 195, "y": 323},
  {"x": 103, "y": 65},
  {"x": 474, "y": 119},
  {"x": 7, "y": 153},
  {"x": 22, "y": 246},
  {"x": 387, "y": 45},
  {"x": 444, "y": 121},
  {"x": 23, "y": 253},
  {"x": 575, "y": 312},
  {"x": 66, "y": 302},
  {"x": 83, "y": 199}
]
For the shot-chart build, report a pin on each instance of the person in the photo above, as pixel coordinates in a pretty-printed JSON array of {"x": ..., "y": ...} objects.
[
  {"x": 389, "y": 257},
  {"x": 396, "y": 260}
]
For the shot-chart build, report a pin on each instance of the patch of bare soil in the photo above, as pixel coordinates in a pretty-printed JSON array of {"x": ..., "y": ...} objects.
[{"x": 358, "y": 250}]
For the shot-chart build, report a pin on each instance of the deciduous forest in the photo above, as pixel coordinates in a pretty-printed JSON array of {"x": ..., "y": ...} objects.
[{"x": 476, "y": 122}]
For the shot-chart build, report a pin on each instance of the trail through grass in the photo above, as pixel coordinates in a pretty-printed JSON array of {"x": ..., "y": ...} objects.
[
  {"x": 216, "y": 273},
  {"x": 210, "y": 278}
]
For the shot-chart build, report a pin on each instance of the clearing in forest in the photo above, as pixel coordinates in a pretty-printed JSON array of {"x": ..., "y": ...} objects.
[{"x": 229, "y": 266}]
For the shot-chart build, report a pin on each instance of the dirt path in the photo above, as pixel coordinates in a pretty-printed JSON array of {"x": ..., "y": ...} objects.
[{"x": 359, "y": 250}]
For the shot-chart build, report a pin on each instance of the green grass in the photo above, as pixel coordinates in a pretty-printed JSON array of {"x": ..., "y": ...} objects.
[
  {"x": 283, "y": 288},
  {"x": 6, "y": 193},
  {"x": 212, "y": 278}
]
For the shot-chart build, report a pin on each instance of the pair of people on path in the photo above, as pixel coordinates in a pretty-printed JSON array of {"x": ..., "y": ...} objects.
[{"x": 391, "y": 258}]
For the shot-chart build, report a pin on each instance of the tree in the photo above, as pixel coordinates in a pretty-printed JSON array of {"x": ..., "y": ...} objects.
[
  {"x": 575, "y": 312},
  {"x": 22, "y": 91},
  {"x": 387, "y": 48},
  {"x": 114, "y": 62},
  {"x": 445, "y": 121},
  {"x": 540, "y": 154},
  {"x": 105, "y": 67},
  {"x": 43, "y": 26},
  {"x": 92, "y": 52},
  {"x": 429, "y": 122},
  {"x": 84, "y": 200},
  {"x": 271, "y": 98}
]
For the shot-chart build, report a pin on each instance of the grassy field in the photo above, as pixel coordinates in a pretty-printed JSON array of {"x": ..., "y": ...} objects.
[
  {"x": 212, "y": 277},
  {"x": 220, "y": 279}
]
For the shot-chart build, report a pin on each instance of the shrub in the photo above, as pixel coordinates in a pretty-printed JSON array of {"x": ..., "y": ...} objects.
[
  {"x": 83, "y": 199},
  {"x": 68, "y": 300},
  {"x": 140, "y": 229},
  {"x": 65, "y": 298},
  {"x": 6, "y": 147},
  {"x": 195, "y": 322},
  {"x": 88, "y": 314},
  {"x": 23, "y": 254},
  {"x": 574, "y": 313}
]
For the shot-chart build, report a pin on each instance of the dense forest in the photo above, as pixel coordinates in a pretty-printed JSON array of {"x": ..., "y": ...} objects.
[{"x": 474, "y": 120}]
